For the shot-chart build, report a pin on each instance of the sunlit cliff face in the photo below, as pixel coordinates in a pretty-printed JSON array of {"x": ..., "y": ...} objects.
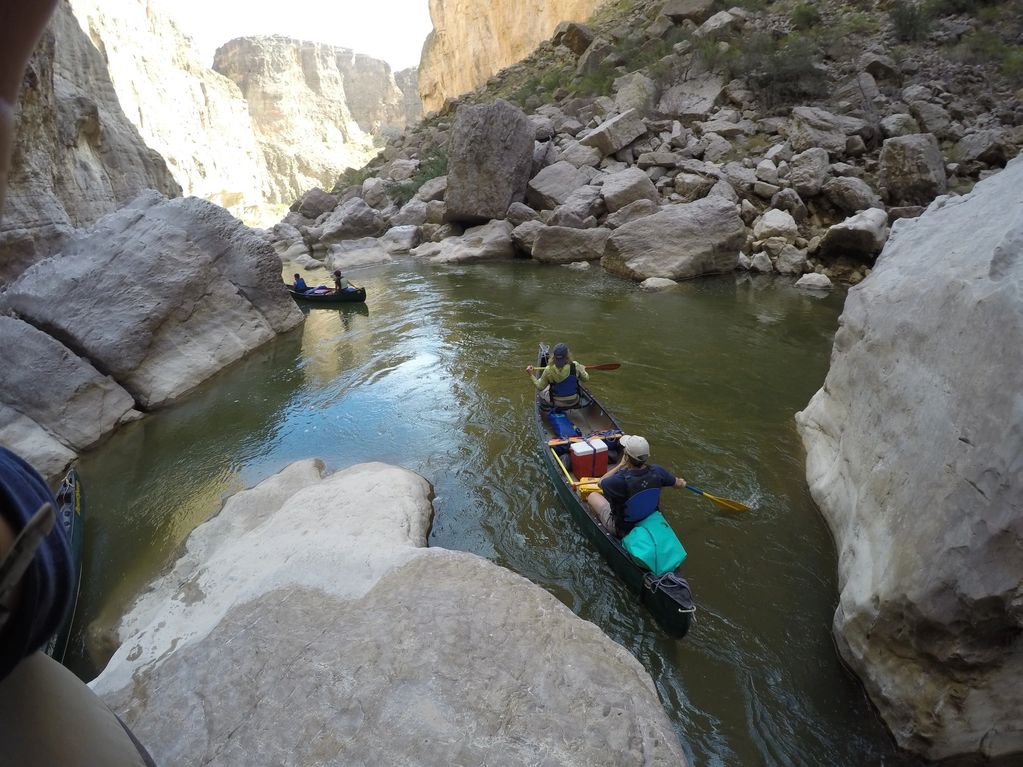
[{"x": 473, "y": 39}]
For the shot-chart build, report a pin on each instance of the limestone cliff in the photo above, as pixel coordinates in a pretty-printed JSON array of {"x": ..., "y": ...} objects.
[
  {"x": 196, "y": 118},
  {"x": 471, "y": 40},
  {"x": 316, "y": 109},
  {"x": 76, "y": 156}
]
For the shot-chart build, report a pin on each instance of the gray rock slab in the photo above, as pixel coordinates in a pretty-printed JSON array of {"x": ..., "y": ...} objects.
[
  {"x": 562, "y": 245},
  {"x": 160, "y": 295},
  {"x": 678, "y": 243},
  {"x": 487, "y": 242},
  {"x": 45, "y": 381},
  {"x": 308, "y": 625},
  {"x": 912, "y": 170},
  {"x": 913, "y": 456}
]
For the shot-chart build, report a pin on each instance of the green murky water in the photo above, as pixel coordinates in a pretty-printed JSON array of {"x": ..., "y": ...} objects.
[{"x": 429, "y": 375}]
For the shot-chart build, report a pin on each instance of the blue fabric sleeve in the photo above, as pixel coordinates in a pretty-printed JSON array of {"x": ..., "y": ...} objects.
[
  {"x": 667, "y": 478},
  {"x": 48, "y": 583}
]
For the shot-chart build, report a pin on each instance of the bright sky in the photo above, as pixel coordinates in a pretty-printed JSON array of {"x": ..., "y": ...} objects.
[{"x": 392, "y": 30}]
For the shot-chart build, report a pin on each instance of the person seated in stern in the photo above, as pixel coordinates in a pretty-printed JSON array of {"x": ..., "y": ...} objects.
[
  {"x": 341, "y": 282},
  {"x": 559, "y": 382},
  {"x": 630, "y": 477},
  {"x": 300, "y": 285}
]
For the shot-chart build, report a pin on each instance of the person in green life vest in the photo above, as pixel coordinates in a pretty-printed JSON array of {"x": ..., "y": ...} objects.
[
  {"x": 630, "y": 490},
  {"x": 559, "y": 382},
  {"x": 341, "y": 282}
]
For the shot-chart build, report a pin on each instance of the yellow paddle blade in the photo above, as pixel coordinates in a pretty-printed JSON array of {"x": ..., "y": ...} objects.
[{"x": 726, "y": 503}]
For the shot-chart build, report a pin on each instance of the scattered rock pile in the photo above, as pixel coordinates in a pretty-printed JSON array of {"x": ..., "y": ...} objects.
[{"x": 719, "y": 180}]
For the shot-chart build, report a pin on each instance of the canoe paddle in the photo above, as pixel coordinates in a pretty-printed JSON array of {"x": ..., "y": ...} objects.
[
  {"x": 604, "y": 366},
  {"x": 724, "y": 503}
]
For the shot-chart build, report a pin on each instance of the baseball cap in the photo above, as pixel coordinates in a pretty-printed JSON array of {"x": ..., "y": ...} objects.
[
  {"x": 561, "y": 354},
  {"x": 635, "y": 446}
]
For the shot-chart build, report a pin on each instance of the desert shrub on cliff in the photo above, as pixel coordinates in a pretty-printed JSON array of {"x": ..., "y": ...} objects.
[
  {"x": 805, "y": 16},
  {"x": 351, "y": 177},
  {"x": 911, "y": 20},
  {"x": 987, "y": 47},
  {"x": 432, "y": 166}
]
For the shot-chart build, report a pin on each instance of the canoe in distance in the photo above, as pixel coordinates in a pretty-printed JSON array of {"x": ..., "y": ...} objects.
[
  {"x": 344, "y": 297},
  {"x": 668, "y": 597}
]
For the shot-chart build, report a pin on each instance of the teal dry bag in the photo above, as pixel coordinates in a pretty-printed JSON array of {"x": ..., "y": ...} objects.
[{"x": 654, "y": 543}]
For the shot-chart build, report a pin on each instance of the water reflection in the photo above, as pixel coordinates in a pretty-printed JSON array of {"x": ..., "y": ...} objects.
[{"x": 431, "y": 377}]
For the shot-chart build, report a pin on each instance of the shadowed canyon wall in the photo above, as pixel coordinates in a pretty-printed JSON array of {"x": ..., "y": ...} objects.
[{"x": 76, "y": 155}]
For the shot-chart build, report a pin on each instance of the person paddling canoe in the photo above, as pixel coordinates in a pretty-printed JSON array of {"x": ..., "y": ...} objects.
[
  {"x": 631, "y": 489},
  {"x": 559, "y": 382}
]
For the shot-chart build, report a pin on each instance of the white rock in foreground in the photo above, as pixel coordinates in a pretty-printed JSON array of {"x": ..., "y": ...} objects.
[
  {"x": 915, "y": 457},
  {"x": 307, "y": 624}
]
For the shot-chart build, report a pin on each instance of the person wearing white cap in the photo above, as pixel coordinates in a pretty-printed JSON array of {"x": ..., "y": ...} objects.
[
  {"x": 627, "y": 480},
  {"x": 560, "y": 378}
]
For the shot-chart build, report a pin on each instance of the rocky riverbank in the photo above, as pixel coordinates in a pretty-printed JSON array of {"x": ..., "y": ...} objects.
[{"x": 626, "y": 171}]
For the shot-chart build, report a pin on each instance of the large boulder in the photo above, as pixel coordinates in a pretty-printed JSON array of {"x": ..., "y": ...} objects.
[
  {"x": 489, "y": 161},
  {"x": 160, "y": 295},
  {"x": 679, "y": 242},
  {"x": 316, "y": 628},
  {"x": 913, "y": 456},
  {"x": 62, "y": 394},
  {"x": 815, "y": 127},
  {"x": 696, "y": 11},
  {"x": 487, "y": 242},
  {"x": 808, "y": 171},
  {"x": 564, "y": 245},
  {"x": 554, "y": 185},
  {"x": 860, "y": 236},
  {"x": 912, "y": 170},
  {"x": 627, "y": 186},
  {"x": 851, "y": 194},
  {"x": 350, "y": 220},
  {"x": 693, "y": 99},
  {"x": 365, "y": 251},
  {"x": 314, "y": 203},
  {"x": 615, "y": 133}
]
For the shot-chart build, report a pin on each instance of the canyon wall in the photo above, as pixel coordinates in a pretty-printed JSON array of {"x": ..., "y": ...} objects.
[
  {"x": 472, "y": 40},
  {"x": 316, "y": 109},
  {"x": 196, "y": 118},
  {"x": 76, "y": 155}
]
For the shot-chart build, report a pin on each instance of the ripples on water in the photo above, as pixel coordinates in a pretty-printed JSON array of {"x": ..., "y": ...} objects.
[{"x": 429, "y": 375}]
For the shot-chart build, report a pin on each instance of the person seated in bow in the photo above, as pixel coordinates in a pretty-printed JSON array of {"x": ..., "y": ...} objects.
[
  {"x": 631, "y": 489},
  {"x": 299, "y": 284},
  {"x": 559, "y": 382}
]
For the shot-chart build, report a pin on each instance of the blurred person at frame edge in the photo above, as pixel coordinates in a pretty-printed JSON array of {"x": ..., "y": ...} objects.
[{"x": 47, "y": 715}]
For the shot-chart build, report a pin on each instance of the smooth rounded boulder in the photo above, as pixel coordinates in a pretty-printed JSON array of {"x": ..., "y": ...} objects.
[
  {"x": 316, "y": 628},
  {"x": 913, "y": 456}
]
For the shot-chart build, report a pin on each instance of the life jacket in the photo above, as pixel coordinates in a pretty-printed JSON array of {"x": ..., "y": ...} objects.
[
  {"x": 566, "y": 393},
  {"x": 644, "y": 495}
]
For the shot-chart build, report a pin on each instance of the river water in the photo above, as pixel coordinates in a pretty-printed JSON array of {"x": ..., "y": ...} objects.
[{"x": 430, "y": 375}]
